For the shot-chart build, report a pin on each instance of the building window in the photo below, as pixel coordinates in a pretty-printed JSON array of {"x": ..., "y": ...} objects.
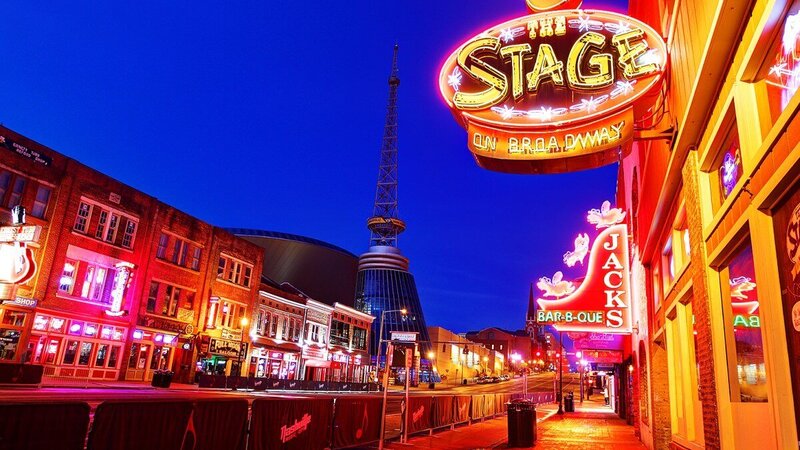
[
  {"x": 746, "y": 362},
  {"x": 730, "y": 167},
  {"x": 248, "y": 272},
  {"x": 179, "y": 252},
  {"x": 5, "y": 181},
  {"x": 152, "y": 298},
  {"x": 171, "y": 300},
  {"x": 70, "y": 351},
  {"x": 97, "y": 283},
  {"x": 161, "y": 251},
  {"x": 40, "y": 203},
  {"x": 18, "y": 186},
  {"x": 129, "y": 235},
  {"x": 67, "y": 280},
  {"x": 196, "y": 252},
  {"x": 273, "y": 326},
  {"x": 84, "y": 211},
  {"x": 781, "y": 68},
  {"x": 340, "y": 333},
  {"x": 230, "y": 315},
  {"x": 234, "y": 271},
  {"x": 359, "y": 338},
  {"x": 667, "y": 265}
]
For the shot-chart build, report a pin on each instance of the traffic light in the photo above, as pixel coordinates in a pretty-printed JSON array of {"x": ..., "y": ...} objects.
[
  {"x": 465, "y": 351},
  {"x": 538, "y": 353}
]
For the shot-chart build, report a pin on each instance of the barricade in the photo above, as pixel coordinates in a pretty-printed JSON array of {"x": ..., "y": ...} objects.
[
  {"x": 218, "y": 424},
  {"x": 442, "y": 411},
  {"x": 488, "y": 405},
  {"x": 461, "y": 410},
  {"x": 356, "y": 421},
  {"x": 303, "y": 424},
  {"x": 476, "y": 411},
  {"x": 145, "y": 425},
  {"x": 54, "y": 426},
  {"x": 419, "y": 413}
]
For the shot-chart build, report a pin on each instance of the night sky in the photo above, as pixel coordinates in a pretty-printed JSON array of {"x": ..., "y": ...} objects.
[{"x": 270, "y": 115}]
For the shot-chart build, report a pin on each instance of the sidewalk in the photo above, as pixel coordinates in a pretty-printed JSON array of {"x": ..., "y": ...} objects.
[
  {"x": 593, "y": 426},
  {"x": 481, "y": 435}
]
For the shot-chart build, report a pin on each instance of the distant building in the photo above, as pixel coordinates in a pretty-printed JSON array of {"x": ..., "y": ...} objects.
[
  {"x": 317, "y": 269},
  {"x": 455, "y": 358},
  {"x": 506, "y": 342}
]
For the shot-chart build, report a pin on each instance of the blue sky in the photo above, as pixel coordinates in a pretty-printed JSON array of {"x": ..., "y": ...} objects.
[{"x": 270, "y": 115}]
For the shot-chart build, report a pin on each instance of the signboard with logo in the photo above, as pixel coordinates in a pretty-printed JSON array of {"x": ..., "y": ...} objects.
[
  {"x": 601, "y": 304},
  {"x": 20, "y": 233},
  {"x": 596, "y": 341},
  {"x": 24, "y": 151},
  {"x": 404, "y": 336},
  {"x": 554, "y": 91},
  {"x": 226, "y": 348}
]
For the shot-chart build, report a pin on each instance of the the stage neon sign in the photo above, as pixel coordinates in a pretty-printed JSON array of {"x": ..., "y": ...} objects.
[{"x": 553, "y": 91}]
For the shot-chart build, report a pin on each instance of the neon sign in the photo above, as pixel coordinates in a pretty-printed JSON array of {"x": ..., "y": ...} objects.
[
  {"x": 553, "y": 91},
  {"x": 601, "y": 304},
  {"x": 122, "y": 280}
]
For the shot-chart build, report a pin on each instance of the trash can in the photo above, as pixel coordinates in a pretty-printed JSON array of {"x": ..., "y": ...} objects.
[
  {"x": 158, "y": 377},
  {"x": 569, "y": 402},
  {"x": 521, "y": 423},
  {"x": 431, "y": 385},
  {"x": 166, "y": 378}
]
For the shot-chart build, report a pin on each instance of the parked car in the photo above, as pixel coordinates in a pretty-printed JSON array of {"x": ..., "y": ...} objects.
[{"x": 495, "y": 380}]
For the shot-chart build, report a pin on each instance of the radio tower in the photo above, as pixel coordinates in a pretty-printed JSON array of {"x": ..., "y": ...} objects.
[
  {"x": 384, "y": 283},
  {"x": 384, "y": 223}
]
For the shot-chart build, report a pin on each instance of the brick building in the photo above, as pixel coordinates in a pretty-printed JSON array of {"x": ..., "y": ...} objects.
[
  {"x": 506, "y": 342},
  {"x": 712, "y": 200},
  {"x": 125, "y": 284}
]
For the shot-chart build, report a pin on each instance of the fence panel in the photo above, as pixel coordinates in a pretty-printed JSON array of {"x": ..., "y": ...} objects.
[
  {"x": 356, "y": 421},
  {"x": 442, "y": 414},
  {"x": 419, "y": 413},
  {"x": 476, "y": 411},
  {"x": 303, "y": 424},
  {"x": 54, "y": 426},
  {"x": 488, "y": 405},
  {"x": 461, "y": 410},
  {"x": 219, "y": 424},
  {"x": 139, "y": 425}
]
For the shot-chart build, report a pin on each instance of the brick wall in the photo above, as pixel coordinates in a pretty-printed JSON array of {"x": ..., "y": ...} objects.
[
  {"x": 659, "y": 380},
  {"x": 700, "y": 306}
]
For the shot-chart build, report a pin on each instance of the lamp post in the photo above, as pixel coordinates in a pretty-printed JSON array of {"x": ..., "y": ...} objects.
[
  {"x": 560, "y": 375},
  {"x": 402, "y": 311},
  {"x": 243, "y": 322},
  {"x": 579, "y": 356}
]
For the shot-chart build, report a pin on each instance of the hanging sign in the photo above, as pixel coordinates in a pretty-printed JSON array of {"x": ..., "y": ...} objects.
[
  {"x": 553, "y": 91},
  {"x": 601, "y": 303}
]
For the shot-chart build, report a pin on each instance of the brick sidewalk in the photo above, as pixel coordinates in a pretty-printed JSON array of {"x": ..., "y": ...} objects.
[{"x": 593, "y": 426}]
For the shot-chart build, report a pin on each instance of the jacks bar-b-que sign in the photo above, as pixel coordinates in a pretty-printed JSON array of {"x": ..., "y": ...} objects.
[
  {"x": 601, "y": 304},
  {"x": 554, "y": 91}
]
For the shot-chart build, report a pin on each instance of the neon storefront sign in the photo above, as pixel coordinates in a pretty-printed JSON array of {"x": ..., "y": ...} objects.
[
  {"x": 554, "y": 91},
  {"x": 601, "y": 303}
]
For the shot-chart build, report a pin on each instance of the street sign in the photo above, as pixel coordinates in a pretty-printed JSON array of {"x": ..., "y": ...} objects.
[
  {"x": 404, "y": 336},
  {"x": 22, "y": 233}
]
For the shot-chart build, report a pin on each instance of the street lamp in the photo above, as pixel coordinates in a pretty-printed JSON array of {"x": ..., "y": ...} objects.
[
  {"x": 402, "y": 311},
  {"x": 243, "y": 322}
]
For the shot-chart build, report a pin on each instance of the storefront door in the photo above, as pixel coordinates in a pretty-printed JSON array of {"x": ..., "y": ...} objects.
[{"x": 137, "y": 365}]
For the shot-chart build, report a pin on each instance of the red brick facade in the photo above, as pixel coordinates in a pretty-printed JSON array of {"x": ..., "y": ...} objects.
[{"x": 124, "y": 282}]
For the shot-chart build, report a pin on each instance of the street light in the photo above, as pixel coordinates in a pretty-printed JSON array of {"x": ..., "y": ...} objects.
[
  {"x": 402, "y": 311},
  {"x": 243, "y": 322}
]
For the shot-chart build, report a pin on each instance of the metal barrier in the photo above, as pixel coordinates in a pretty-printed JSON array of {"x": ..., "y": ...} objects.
[
  {"x": 262, "y": 384},
  {"x": 301, "y": 423}
]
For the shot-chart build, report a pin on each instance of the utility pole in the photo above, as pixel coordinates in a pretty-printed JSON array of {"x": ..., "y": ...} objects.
[{"x": 560, "y": 375}]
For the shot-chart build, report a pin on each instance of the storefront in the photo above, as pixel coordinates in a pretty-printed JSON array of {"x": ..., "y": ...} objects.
[
  {"x": 348, "y": 367},
  {"x": 15, "y": 318},
  {"x": 315, "y": 363},
  {"x": 76, "y": 348},
  {"x": 268, "y": 363},
  {"x": 219, "y": 356},
  {"x": 151, "y": 350}
]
